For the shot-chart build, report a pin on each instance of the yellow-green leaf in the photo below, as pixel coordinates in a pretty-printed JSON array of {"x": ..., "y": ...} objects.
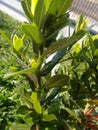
[
  {"x": 17, "y": 43},
  {"x": 33, "y": 6},
  {"x": 48, "y": 118},
  {"x": 36, "y": 103}
]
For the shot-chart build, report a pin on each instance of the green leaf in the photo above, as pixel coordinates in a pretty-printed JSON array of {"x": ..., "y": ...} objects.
[
  {"x": 30, "y": 70},
  {"x": 27, "y": 10},
  {"x": 64, "y": 43},
  {"x": 33, "y": 32},
  {"x": 26, "y": 101},
  {"x": 17, "y": 42},
  {"x": 40, "y": 11},
  {"x": 73, "y": 114},
  {"x": 57, "y": 81},
  {"x": 36, "y": 103},
  {"x": 23, "y": 110},
  {"x": 48, "y": 118},
  {"x": 64, "y": 6},
  {"x": 96, "y": 52},
  {"x": 91, "y": 42},
  {"x": 59, "y": 7}
]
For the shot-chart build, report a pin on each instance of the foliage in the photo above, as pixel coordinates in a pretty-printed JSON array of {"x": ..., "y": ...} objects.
[{"x": 64, "y": 98}]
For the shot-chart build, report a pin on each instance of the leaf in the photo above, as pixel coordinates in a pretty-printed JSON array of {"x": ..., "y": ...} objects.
[
  {"x": 30, "y": 70},
  {"x": 91, "y": 42},
  {"x": 57, "y": 57},
  {"x": 64, "y": 43},
  {"x": 73, "y": 114},
  {"x": 64, "y": 6},
  {"x": 95, "y": 37},
  {"x": 33, "y": 5},
  {"x": 17, "y": 42},
  {"x": 26, "y": 101},
  {"x": 77, "y": 48},
  {"x": 5, "y": 36},
  {"x": 36, "y": 103},
  {"x": 40, "y": 11},
  {"x": 52, "y": 94},
  {"x": 59, "y": 7},
  {"x": 81, "y": 24},
  {"x": 27, "y": 10},
  {"x": 23, "y": 110},
  {"x": 96, "y": 43},
  {"x": 48, "y": 118},
  {"x": 96, "y": 52},
  {"x": 33, "y": 32},
  {"x": 57, "y": 81}
]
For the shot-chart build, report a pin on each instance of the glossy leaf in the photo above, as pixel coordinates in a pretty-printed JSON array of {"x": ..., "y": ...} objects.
[
  {"x": 57, "y": 81},
  {"x": 57, "y": 57}
]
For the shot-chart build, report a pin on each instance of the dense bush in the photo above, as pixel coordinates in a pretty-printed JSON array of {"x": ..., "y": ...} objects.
[{"x": 55, "y": 80}]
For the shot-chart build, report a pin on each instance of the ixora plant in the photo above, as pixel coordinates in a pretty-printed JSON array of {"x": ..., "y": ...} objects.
[{"x": 66, "y": 98}]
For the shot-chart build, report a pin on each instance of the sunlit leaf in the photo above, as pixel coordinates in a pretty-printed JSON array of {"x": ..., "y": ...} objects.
[
  {"x": 33, "y": 6},
  {"x": 33, "y": 32},
  {"x": 17, "y": 42},
  {"x": 48, "y": 118},
  {"x": 36, "y": 103},
  {"x": 95, "y": 37}
]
